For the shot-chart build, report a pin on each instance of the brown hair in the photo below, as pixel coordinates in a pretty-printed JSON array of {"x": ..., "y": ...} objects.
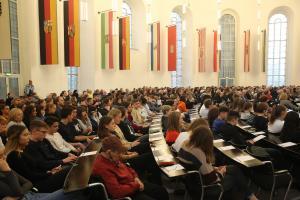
[
  {"x": 202, "y": 138},
  {"x": 196, "y": 123},
  {"x": 13, "y": 112},
  {"x": 212, "y": 115},
  {"x": 37, "y": 124},
  {"x": 261, "y": 107},
  {"x": 13, "y": 135},
  {"x": 114, "y": 112},
  {"x": 3, "y": 120},
  {"x": 174, "y": 121},
  {"x": 276, "y": 112}
]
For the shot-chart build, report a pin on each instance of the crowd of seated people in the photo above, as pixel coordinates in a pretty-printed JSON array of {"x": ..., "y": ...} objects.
[{"x": 43, "y": 137}]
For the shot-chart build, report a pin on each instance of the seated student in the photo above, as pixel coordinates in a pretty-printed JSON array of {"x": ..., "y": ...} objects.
[
  {"x": 145, "y": 110},
  {"x": 51, "y": 110},
  {"x": 183, "y": 136},
  {"x": 166, "y": 109},
  {"x": 181, "y": 106},
  {"x": 205, "y": 108},
  {"x": 230, "y": 131},
  {"x": 246, "y": 114},
  {"x": 198, "y": 151},
  {"x": 15, "y": 117},
  {"x": 142, "y": 163},
  {"x": 128, "y": 130},
  {"x": 106, "y": 106},
  {"x": 212, "y": 115},
  {"x": 291, "y": 128},
  {"x": 94, "y": 117},
  {"x": 26, "y": 164},
  {"x": 260, "y": 121},
  {"x": 175, "y": 124},
  {"x": 136, "y": 145},
  {"x": 44, "y": 153},
  {"x": 84, "y": 121},
  {"x": 29, "y": 114},
  {"x": 66, "y": 128},
  {"x": 4, "y": 111},
  {"x": 3, "y": 129},
  {"x": 56, "y": 139},
  {"x": 13, "y": 186},
  {"x": 220, "y": 120},
  {"x": 119, "y": 179},
  {"x": 284, "y": 100},
  {"x": 277, "y": 119},
  {"x": 141, "y": 125}
]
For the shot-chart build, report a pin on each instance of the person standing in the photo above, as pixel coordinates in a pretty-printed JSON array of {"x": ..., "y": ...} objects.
[{"x": 29, "y": 89}]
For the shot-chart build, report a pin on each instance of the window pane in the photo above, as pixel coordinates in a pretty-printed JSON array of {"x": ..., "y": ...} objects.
[
  {"x": 2, "y": 88},
  {"x": 126, "y": 11},
  {"x": 14, "y": 86}
]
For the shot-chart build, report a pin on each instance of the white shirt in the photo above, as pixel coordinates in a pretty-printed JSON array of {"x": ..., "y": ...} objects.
[
  {"x": 276, "y": 127},
  {"x": 183, "y": 136},
  {"x": 204, "y": 112},
  {"x": 59, "y": 143}
]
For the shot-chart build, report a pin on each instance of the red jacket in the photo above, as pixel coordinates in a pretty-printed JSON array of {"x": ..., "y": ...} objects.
[
  {"x": 118, "y": 178},
  {"x": 171, "y": 136}
]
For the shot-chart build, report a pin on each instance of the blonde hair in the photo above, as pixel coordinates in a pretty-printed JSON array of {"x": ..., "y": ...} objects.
[
  {"x": 283, "y": 96},
  {"x": 3, "y": 120},
  {"x": 13, "y": 113},
  {"x": 114, "y": 112}
]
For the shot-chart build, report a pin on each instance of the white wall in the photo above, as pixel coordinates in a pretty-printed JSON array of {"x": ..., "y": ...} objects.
[{"x": 201, "y": 13}]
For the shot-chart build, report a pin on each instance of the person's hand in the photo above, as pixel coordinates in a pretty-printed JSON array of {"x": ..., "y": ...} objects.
[
  {"x": 10, "y": 198},
  {"x": 55, "y": 170},
  {"x": 250, "y": 142},
  {"x": 135, "y": 143},
  {"x": 221, "y": 170},
  {"x": 68, "y": 160},
  {"x": 4, "y": 167},
  {"x": 133, "y": 154},
  {"x": 142, "y": 187},
  {"x": 88, "y": 140}
]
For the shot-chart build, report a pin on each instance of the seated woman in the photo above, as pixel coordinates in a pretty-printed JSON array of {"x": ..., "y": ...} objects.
[
  {"x": 166, "y": 109},
  {"x": 29, "y": 114},
  {"x": 284, "y": 100},
  {"x": 291, "y": 128},
  {"x": 277, "y": 119},
  {"x": 175, "y": 124},
  {"x": 26, "y": 165},
  {"x": 246, "y": 114},
  {"x": 15, "y": 117},
  {"x": 118, "y": 178},
  {"x": 84, "y": 121},
  {"x": 198, "y": 152},
  {"x": 181, "y": 106},
  {"x": 3, "y": 129},
  {"x": 183, "y": 136},
  {"x": 260, "y": 121}
]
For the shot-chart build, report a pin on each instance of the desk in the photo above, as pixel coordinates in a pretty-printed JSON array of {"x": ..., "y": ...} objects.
[{"x": 79, "y": 175}]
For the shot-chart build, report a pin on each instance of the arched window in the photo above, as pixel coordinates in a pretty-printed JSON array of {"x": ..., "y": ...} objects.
[
  {"x": 227, "y": 67},
  {"x": 126, "y": 11},
  {"x": 277, "y": 49},
  {"x": 176, "y": 76}
]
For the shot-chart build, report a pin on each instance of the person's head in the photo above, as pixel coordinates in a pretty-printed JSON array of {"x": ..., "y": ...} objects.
[
  {"x": 213, "y": 114},
  {"x": 124, "y": 113},
  {"x": 278, "y": 112},
  {"x": 136, "y": 104},
  {"x": 17, "y": 138},
  {"x": 291, "y": 121},
  {"x": 107, "y": 101},
  {"x": 174, "y": 121},
  {"x": 30, "y": 82},
  {"x": 207, "y": 103},
  {"x": 4, "y": 109},
  {"x": 67, "y": 113},
  {"x": 38, "y": 130},
  {"x": 247, "y": 107},
  {"x": 233, "y": 117},
  {"x": 202, "y": 138},
  {"x": 53, "y": 124},
  {"x": 82, "y": 113},
  {"x": 283, "y": 96},
  {"x": 116, "y": 115},
  {"x": 262, "y": 108},
  {"x": 3, "y": 125},
  {"x": 106, "y": 126},
  {"x": 51, "y": 108},
  {"x": 30, "y": 111},
  {"x": 16, "y": 115},
  {"x": 60, "y": 101},
  {"x": 166, "y": 109},
  {"x": 196, "y": 123},
  {"x": 223, "y": 112},
  {"x": 112, "y": 148}
]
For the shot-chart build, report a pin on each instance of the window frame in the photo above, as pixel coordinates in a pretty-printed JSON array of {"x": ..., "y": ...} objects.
[
  {"x": 72, "y": 73},
  {"x": 126, "y": 6}
]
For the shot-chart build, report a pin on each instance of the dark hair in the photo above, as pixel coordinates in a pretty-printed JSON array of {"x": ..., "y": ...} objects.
[
  {"x": 233, "y": 115},
  {"x": 196, "y": 123},
  {"x": 66, "y": 111},
  {"x": 261, "y": 107},
  {"x": 123, "y": 110},
  {"x": 276, "y": 112},
  {"x": 247, "y": 105},
  {"x": 207, "y": 103},
  {"x": 223, "y": 109},
  {"x": 51, "y": 120},
  {"x": 291, "y": 122},
  {"x": 212, "y": 115},
  {"x": 103, "y": 132},
  {"x": 37, "y": 124}
]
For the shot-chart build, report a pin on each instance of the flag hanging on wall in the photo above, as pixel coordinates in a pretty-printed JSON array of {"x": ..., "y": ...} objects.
[
  {"x": 172, "y": 48},
  {"x": 107, "y": 42},
  {"x": 124, "y": 43},
  {"x": 247, "y": 51},
  {"x": 216, "y": 52},
  {"x": 155, "y": 46},
  {"x": 48, "y": 32},
  {"x": 5, "y": 41},
  {"x": 201, "y": 49},
  {"x": 72, "y": 33},
  {"x": 264, "y": 36}
]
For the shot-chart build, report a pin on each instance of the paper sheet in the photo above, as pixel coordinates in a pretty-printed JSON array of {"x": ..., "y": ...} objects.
[
  {"x": 155, "y": 139},
  {"x": 174, "y": 167},
  {"x": 287, "y": 144},
  {"x": 258, "y": 133},
  {"x": 88, "y": 153},
  {"x": 218, "y": 141},
  {"x": 244, "y": 158},
  {"x": 164, "y": 157},
  {"x": 226, "y": 148},
  {"x": 244, "y": 127},
  {"x": 156, "y": 135},
  {"x": 258, "y": 138}
]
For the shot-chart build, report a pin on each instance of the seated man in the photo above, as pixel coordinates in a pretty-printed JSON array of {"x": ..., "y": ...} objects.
[
  {"x": 121, "y": 180},
  {"x": 43, "y": 151},
  {"x": 220, "y": 121}
]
